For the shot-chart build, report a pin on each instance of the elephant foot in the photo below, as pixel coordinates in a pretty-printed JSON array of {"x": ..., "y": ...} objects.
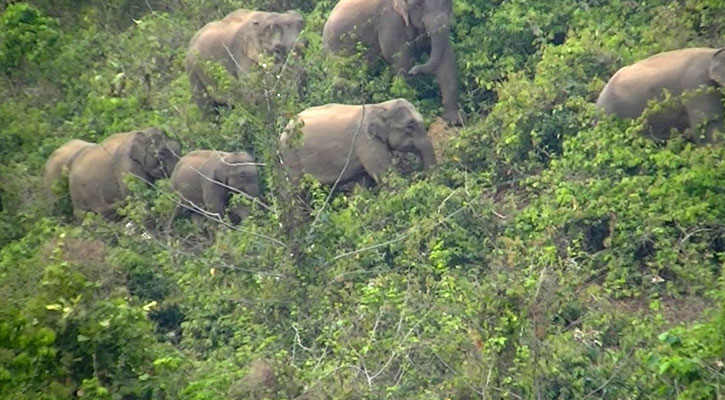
[{"x": 453, "y": 117}]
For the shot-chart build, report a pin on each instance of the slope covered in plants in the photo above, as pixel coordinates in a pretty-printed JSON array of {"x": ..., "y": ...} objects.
[{"x": 554, "y": 253}]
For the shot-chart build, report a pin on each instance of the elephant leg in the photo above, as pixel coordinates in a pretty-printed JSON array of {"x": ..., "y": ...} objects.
[
  {"x": 202, "y": 226},
  {"x": 403, "y": 60},
  {"x": 201, "y": 96},
  {"x": 447, "y": 77},
  {"x": 365, "y": 182},
  {"x": 660, "y": 124},
  {"x": 394, "y": 47},
  {"x": 706, "y": 112},
  {"x": 215, "y": 199}
]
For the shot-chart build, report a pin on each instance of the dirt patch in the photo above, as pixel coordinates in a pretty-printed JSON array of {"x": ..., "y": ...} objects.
[
  {"x": 683, "y": 310},
  {"x": 88, "y": 257},
  {"x": 84, "y": 251},
  {"x": 440, "y": 133},
  {"x": 260, "y": 382}
]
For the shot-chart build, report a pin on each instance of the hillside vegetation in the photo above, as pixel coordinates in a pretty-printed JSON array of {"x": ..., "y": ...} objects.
[{"x": 553, "y": 254}]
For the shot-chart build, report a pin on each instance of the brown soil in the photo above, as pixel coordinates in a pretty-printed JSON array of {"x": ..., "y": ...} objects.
[{"x": 439, "y": 133}]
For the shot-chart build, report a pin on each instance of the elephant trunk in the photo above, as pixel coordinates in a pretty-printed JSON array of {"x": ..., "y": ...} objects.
[
  {"x": 437, "y": 28},
  {"x": 240, "y": 212},
  {"x": 425, "y": 148}
]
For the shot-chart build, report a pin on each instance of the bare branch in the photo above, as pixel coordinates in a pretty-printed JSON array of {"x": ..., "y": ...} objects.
[
  {"x": 458, "y": 373},
  {"x": 231, "y": 56},
  {"x": 213, "y": 216},
  {"x": 224, "y": 185}
]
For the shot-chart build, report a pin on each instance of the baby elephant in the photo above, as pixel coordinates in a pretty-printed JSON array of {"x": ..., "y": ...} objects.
[
  {"x": 96, "y": 176},
  {"x": 59, "y": 163},
  {"x": 343, "y": 143},
  {"x": 699, "y": 71},
  {"x": 206, "y": 179}
]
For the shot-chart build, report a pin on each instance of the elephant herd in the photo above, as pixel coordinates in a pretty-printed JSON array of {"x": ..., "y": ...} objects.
[{"x": 343, "y": 143}]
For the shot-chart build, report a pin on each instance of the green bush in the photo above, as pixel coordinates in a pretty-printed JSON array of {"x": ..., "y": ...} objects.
[
  {"x": 27, "y": 37},
  {"x": 553, "y": 253}
]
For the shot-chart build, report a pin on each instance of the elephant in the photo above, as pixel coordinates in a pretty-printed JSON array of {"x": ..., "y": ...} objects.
[
  {"x": 96, "y": 176},
  {"x": 59, "y": 163},
  {"x": 400, "y": 30},
  {"x": 697, "y": 73},
  {"x": 238, "y": 42},
  {"x": 345, "y": 143},
  {"x": 205, "y": 180}
]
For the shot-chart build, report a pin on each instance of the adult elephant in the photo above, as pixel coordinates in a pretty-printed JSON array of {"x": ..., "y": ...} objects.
[
  {"x": 96, "y": 176},
  {"x": 238, "y": 42},
  {"x": 696, "y": 73},
  {"x": 59, "y": 163},
  {"x": 400, "y": 30},
  {"x": 206, "y": 179},
  {"x": 342, "y": 143}
]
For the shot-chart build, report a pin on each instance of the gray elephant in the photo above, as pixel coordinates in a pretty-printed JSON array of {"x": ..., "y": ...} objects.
[
  {"x": 238, "y": 42},
  {"x": 205, "y": 180},
  {"x": 344, "y": 143},
  {"x": 96, "y": 176},
  {"x": 400, "y": 30},
  {"x": 59, "y": 163},
  {"x": 697, "y": 71}
]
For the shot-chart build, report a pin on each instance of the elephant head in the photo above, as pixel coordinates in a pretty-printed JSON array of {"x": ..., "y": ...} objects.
[
  {"x": 155, "y": 152},
  {"x": 237, "y": 171},
  {"x": 434, "y": 18},
  {"x": 400, "y": 126},
  {"x": 716, "y": 71},
  {"x": 270, "y": 34}
]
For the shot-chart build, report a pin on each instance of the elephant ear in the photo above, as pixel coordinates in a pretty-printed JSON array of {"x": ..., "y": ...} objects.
[
  {"x": 374, "y": 125},
  {"x": 401, "y": 7},
  {"x": 717, "y": 67},
  {"x": 213, "y": 194},
  {"x": 247, "y": 40},
  {"x": 218, "y": 165},
  {"x": 139, "y": 148}
]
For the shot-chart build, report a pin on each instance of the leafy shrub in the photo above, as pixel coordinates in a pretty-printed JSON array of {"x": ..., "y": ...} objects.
[
  {"x": 553, "y": 253},
  {"x": 26, "y": 36}
]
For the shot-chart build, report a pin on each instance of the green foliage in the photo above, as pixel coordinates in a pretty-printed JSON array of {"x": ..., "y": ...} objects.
[
  {"x": 554, "y": 252},
  {"x": 27, "y": 36},
  {"x": 688, "y": 360}
]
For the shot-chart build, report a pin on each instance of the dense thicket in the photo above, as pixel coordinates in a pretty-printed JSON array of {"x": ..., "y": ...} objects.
[{"x": 554, "y": 253}]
